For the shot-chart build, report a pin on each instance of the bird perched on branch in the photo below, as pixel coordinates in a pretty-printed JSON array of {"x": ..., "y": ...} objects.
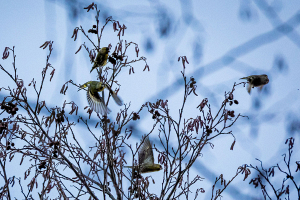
[
  {"x": 256, "y": 81},
  {"x": 101, "y": 58},
  {"x": 96, "y": 102},
  {"x": 146, "y": 159}
]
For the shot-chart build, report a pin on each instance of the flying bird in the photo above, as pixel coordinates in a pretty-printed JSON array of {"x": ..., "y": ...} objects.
[
  {"x": 256, "y": 81},
  {"x": 146, "y": 159},
  {"x": 96, "y": 102}
]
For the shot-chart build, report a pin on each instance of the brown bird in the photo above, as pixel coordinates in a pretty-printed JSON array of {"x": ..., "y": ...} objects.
[
  {"x": 146, "y": 159},
  {"x": 256, "y": 81},
  {"x": 101, "y": 58}
]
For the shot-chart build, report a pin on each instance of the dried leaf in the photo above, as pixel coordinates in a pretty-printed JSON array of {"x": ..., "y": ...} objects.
[
  {"x": 5, "y": 53},
  {"x": 62, "y": 89},
  {"x": 232, "y": 145},
  {"x": 52, "y": 74},
  {"x": 44, "y": 45},
  {"x": 137, "y": 50},
  {"x": 78, "y": 49},
  {"x": 75, "y": 33},
  {"x": 146, "y": 67},
  {"x": 89, "y": 7}
]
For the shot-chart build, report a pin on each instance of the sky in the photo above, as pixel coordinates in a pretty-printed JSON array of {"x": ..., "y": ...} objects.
[{"x": 223, "y": 41}]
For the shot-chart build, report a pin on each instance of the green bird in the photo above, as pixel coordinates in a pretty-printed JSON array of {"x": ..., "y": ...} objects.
[
  {"x": 101, "y": 58},
  {"x": 256, "y": 81},
  {"x": 96, "y": 102},
  {"x": 146, "y": 159}
]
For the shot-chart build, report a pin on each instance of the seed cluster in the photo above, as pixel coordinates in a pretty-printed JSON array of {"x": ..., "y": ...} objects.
[
  {"x": 3, "y": 125},
  {"x": 9, "y": 107}
]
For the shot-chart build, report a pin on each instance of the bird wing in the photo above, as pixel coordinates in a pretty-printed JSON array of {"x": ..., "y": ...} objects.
[
  {"x": 97, "y": 102},
  {"x": 249, "y": 87},
  {"x": 145, "y": 153}
]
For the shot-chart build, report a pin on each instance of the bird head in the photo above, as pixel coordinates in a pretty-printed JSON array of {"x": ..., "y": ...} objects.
[
  {"x": 265, "y": 79},
  {"x": 105, "y": 49}
]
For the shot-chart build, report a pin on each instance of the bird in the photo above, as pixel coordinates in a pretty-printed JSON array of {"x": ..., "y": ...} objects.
[
  {"x": 101, "y": 58},
  {"x": 96, "y": 102},
  {"x": 146, "y": 159},
  {"x": 256, "y": 81}
]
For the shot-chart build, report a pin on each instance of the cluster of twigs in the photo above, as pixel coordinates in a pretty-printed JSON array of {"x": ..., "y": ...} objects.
[
  {"x": 265, "y": 175},
  {"x": 192, "y": 135}
]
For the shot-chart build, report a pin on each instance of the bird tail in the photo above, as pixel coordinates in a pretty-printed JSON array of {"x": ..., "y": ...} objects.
[
  {"x": 117, "y": 99},
  {"x": 249, "y": 88}
]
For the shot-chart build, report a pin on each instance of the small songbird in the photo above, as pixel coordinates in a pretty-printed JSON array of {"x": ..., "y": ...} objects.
[
  {"x": 256, "y": 81},
  {"x": 146, "y": 159},
  {"x": 101, "y": 58},
  {"x": 96, "y": 102}
]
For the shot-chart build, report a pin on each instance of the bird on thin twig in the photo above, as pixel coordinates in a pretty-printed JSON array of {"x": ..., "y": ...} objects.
[{"x": 101, "y": 58}]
